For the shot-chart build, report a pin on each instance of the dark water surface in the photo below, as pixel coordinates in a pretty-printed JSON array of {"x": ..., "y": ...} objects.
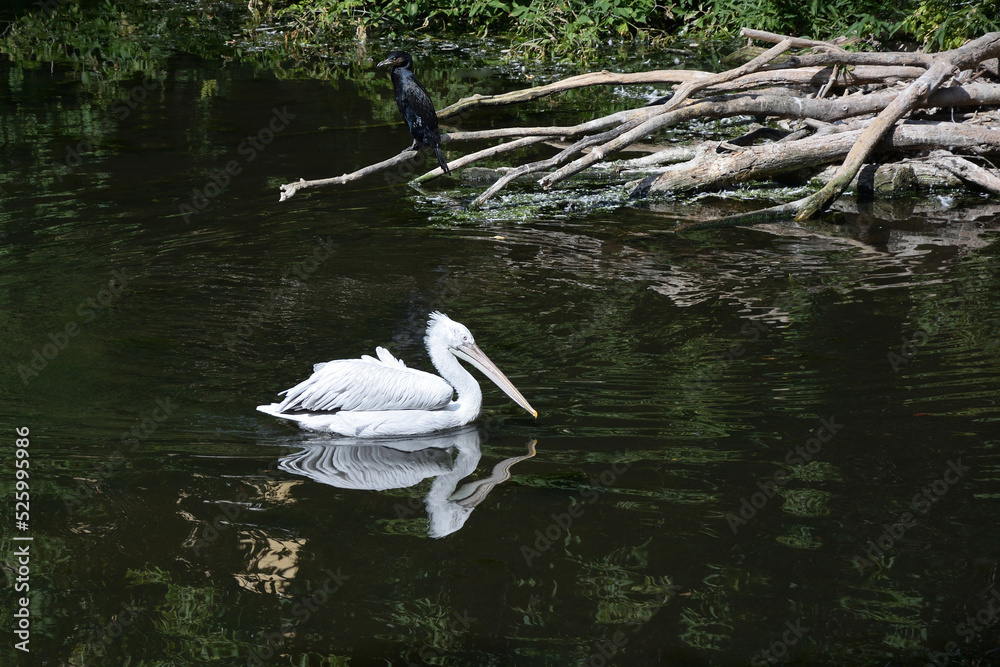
[{"x": 752, "y": 448}]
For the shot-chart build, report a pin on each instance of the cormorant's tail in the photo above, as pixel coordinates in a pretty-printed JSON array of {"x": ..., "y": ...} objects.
[{"x": 441, "y": 160}]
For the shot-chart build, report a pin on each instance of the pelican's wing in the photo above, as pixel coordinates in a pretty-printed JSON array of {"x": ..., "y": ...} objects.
[{"x": 367, "y": 384}]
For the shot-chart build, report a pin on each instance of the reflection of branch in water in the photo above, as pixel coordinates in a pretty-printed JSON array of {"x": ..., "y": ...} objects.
[{"x": 404, "y": 462}]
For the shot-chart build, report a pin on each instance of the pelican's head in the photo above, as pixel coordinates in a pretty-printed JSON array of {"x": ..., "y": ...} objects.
[
  {"x": 398, "y": 59},
  {"x": 442, "y": 328},
  {"x": 457, "y": 339}
]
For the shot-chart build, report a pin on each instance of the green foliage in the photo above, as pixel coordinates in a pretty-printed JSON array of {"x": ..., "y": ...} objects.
[
  {"x": 946, "y": 24},
  {"x": 109, "y": 40},
  {"x": 539, "y": 27},
  {"x": 573, "y": 28},
  {"x": 817, "y": 19},
  {"x": 577, "y": 27}
]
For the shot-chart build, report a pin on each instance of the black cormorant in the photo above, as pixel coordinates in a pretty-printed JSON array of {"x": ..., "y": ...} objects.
[{"x": 415, "y": 105}]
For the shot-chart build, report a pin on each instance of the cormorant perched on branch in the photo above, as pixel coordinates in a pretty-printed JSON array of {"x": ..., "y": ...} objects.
[{"x": 415, "y": 105}]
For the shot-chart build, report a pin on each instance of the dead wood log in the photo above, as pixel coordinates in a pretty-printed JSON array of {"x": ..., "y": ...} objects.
[
  {"x": 929, "y": 175},
  {"x": 860, "y": 75},
  {"x": 893, "y": 180},
  {"x": 531, "y": 135},
  {"x": 857, "y": 59},
  {"x": 797, "y": 42},
  {"x": 685, "y": 90},
  {"x": 780, "y": 212},
  {"x": 629, "y": 129},
  {"x": 668, "y": 155},
  {"x": 602, "y": 123},
  {"x": 828, "y": 110},
  {"x": 757, "y": 104},
  {"x": 540, "y": 165},
  {"x": 715, "y": 168}
]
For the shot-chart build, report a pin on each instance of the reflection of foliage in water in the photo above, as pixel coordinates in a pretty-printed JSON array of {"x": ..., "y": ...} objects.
[
  {"x": 958, "y": 310},
  {"x": 623, "y": 593},
  {"x": 114, "y": 40},
  {"x": 432, "y": 629},
  {"x": 155, "y": 609},
  {"x": 118, "y": 52}
]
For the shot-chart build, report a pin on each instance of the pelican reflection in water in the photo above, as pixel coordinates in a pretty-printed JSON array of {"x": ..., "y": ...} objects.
[
  {"x": 372, "y": 398},
  {"x": 402, "y": 463}
]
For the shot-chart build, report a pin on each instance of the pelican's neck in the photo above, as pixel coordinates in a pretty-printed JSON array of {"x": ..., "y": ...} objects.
[{"x": 470, "y": 396}]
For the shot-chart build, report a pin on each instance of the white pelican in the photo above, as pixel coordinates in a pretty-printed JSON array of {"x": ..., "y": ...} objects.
[{"x": 378, "y": 398}]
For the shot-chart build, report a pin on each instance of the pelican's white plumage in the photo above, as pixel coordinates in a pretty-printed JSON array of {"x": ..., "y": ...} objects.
[
  {"x": 367, "y": 384},
  {"x": 370, "y": 398}
]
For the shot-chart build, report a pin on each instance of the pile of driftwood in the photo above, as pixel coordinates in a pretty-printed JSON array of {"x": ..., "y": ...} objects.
[{"x": 907, "y": 116}]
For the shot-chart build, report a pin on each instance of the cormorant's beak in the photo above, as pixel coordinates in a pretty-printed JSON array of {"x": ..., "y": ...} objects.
[
  {"x": 388, "y": 62},
  {"x": 470, "y": 352}
]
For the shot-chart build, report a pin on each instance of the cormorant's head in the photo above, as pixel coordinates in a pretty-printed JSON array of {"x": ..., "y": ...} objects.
[{"x": 398, "y": 59}]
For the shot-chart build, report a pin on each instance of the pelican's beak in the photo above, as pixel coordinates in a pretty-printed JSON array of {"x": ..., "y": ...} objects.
[{"x": 471, "y": 353}]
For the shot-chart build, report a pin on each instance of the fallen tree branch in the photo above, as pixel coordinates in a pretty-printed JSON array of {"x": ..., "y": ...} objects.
[
  {"x": 768, "y": 105},
  {"x": 830, "y": 103},
  {"x": 770, "y": 214},
  {"x": 564, "y": 131},
  {"x": 289, "y": 189},
  {"x": 558, "y": 158},
  {"x": 685, "y": 90},
  {"x": 834, "y": 55},
  {"x": 860, "y": 151},
  {"x": 636, "y": 132},
  {"x": 492, "y": 151},
  {"x": 857, "y": 59},
  {"x": 967, "y": 171},
  {"x": 827, "y": 110},
  {"x": 805, "y": 73},
  {"x": 796, "y": 42},
  {"x": 603, "y": 78},
  {"x": 859, "y": 75}
]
